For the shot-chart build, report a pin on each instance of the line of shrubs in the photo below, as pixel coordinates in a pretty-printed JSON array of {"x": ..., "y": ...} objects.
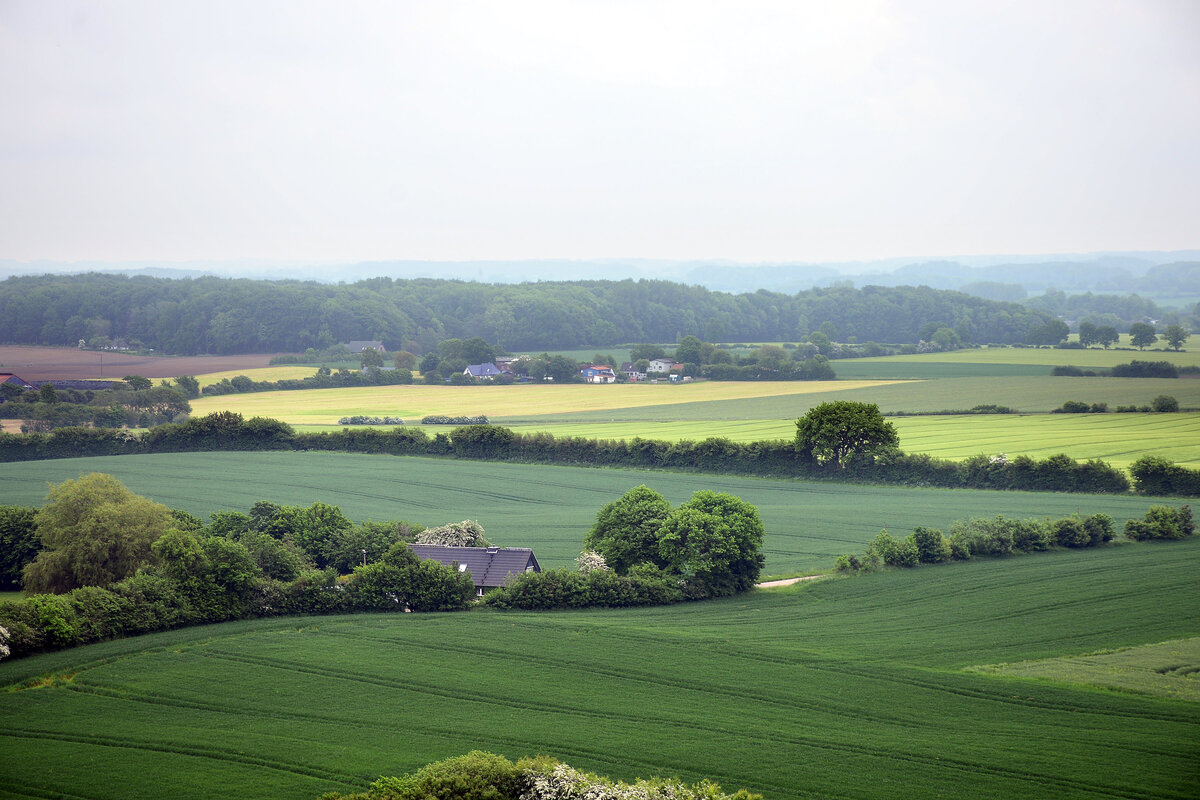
[
  {"x": 324, "y": 378},
  {"x": 229, "y": 431},
  {"x": 361, "y": 420},
  {"x": 999, "y": 536},
  {"x": 485, "y": 776},
  {"x": 1162, "y": 404},
  {"x": 441, "y": 419},
  {"x": 1134, "y": 369}
]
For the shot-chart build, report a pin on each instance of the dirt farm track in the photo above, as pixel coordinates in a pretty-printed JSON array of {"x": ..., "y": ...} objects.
[{"x": 69, "y": 363}]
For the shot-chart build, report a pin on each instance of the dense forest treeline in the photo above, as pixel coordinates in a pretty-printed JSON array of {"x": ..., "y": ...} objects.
[{"x": 222, "y": 316}]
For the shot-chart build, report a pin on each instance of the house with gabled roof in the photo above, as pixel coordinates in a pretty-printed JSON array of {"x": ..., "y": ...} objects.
[
  {"x": 489, "y": 567},
  {"x": 483, "y": 372},
  {"x": 9, "y": 379}
]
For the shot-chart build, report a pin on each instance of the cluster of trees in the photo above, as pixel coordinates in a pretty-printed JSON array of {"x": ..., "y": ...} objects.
[
  {"x": 218, "y": 315},
  {"x": 132, "y": 403},
  {"x": 643, "y": 552},
  {"x": 1119, "y": 312},
  {"x": 98, "y": 561},
  {"x": 486, "y": 776}
]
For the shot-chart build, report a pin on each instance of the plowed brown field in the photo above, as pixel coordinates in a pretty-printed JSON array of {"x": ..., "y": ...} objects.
[{"x": 46, "y": 363}]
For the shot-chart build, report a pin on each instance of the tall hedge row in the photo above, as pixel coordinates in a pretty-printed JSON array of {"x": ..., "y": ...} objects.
[{"x": 229, "y": 431}]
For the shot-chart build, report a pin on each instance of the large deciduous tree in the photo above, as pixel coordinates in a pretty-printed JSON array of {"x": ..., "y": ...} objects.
[
  {"x": 1175, "y": 336},
  {"x": 94, "y": 532},
  {"x": 833, "y": 432},
  {"x": 1142, "y": 335},
  {"x": 626, "y": 530},
  {"x": 714, "y": 542}
]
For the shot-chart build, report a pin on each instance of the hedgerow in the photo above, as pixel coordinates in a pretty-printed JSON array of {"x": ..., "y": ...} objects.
[
  {"x": 1000, "y": 536},
  {"x": 779, "y": 458}
]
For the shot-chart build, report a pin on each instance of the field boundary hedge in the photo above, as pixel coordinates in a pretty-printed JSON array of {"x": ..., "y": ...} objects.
[{"x": 229, "y": 431}]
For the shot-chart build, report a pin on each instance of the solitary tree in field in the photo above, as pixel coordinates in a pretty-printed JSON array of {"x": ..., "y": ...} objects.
[
  {"x": 1175, "y": 336},
  {"x": 832, "y": 432},
  {"x": 1142, "y": 335},
  {"x": 1107, "y": 336}
]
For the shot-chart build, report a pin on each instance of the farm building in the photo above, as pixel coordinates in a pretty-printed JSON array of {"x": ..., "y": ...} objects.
[
  {"x": 490, "y": 567},
  {"x": 8, "y": 379}
]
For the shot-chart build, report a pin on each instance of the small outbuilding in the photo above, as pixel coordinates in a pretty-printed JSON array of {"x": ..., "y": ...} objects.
[{"x": 490, "y": 567}]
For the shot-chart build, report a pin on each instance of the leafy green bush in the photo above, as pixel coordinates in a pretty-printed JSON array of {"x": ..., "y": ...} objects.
[
  {"x": 932, "y": 546},
  {"x": 1159, "y": 476},
  {"x": 1162, "y": 522}
]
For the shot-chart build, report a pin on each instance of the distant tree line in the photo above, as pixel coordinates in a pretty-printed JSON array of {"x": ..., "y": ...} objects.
[{"x": 220, "y": 315}]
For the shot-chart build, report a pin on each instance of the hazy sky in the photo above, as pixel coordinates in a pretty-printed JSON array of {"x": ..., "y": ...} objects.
[{"x": 448, "y": 130}]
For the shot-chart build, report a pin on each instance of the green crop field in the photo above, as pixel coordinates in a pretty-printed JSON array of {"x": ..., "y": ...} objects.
[
  {"x": 1048, "y": 356},
  {"x": 548, "y": 508},
  {"x": 1166, "y": 669},
  {"x": 845, "y": 688}
]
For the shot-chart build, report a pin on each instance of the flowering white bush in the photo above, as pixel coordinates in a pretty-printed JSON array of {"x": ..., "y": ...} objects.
[
  {"x": 467, "y": 533},
  {"x": 564, "y": 782},
  {"x": 4, "y": 651},
  {"x": 1000, "y": 458},
  {"x": 591, "y": 561}
]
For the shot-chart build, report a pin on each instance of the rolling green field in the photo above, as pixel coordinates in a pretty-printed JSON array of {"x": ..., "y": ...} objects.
[
  {"x": 848, "y": 688},
  {"x": 547, "y": 508}
]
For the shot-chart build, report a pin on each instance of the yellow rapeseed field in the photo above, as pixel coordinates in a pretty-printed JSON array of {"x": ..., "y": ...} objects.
[{"x": 326, "y": 406}]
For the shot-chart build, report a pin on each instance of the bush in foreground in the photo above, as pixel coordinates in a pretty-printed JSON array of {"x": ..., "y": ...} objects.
[{"x": 485, "y": 776}]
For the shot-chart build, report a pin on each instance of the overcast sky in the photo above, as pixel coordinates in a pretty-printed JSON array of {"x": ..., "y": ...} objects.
[{"x": 447, "y": 130}]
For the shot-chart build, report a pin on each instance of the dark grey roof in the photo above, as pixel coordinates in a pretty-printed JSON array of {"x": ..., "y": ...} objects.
[
  {"x": 358, "y": 346},
  {"x": 489, "y": 566}
]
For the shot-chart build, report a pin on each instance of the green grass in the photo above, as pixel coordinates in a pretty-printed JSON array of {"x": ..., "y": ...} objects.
[
  {"x": 885, "y": 368},
  {"x": 548, "y": 508},
  {"x": 840, "y": 689},
  {"x": 1166, "y": 669}
]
